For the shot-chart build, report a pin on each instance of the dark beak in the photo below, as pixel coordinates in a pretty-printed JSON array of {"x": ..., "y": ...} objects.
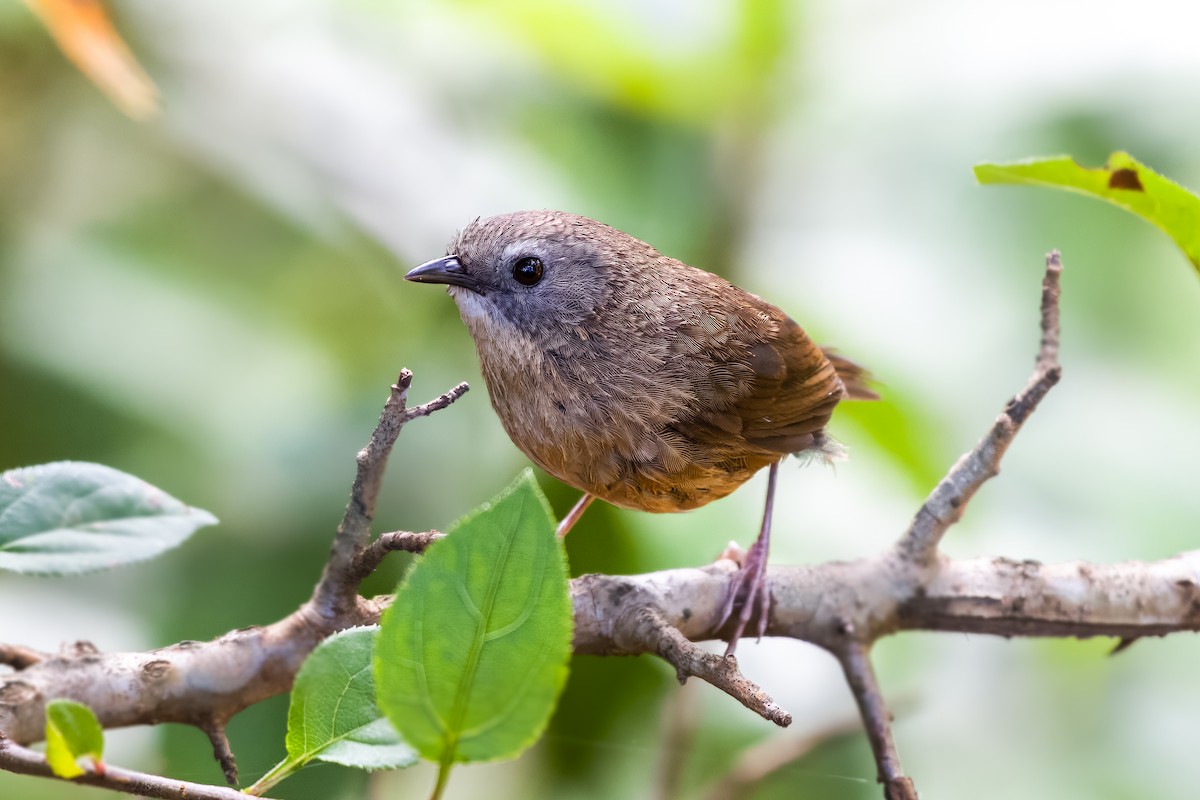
[{"x": 446, "y": 269}]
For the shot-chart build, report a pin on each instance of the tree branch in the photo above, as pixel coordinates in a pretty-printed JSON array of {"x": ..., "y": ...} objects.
[
  {"x": 190, "y": 682},
  {"x": 205, "y": 684},
  {"x": 948, "y": 501},
  {"x": 23, "y": 761},
  {"x": 19, "y": 657},
  {"x": 369, "y": 559},
  {"x": 855, "y": 659},
  {"x": 813, "y": 603},
  {"x": 864, "y": 600},
  {"x": 336, "y": 592},
  {"x": 843, "y": 607},
  {"x": 215, "y": 729}
]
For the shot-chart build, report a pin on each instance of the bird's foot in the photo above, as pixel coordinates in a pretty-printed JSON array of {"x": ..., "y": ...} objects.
[{"x": 747, "y": 592}]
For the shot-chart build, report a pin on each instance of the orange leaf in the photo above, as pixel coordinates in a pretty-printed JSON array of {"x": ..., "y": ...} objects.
[{"x": 86, "y": 35}]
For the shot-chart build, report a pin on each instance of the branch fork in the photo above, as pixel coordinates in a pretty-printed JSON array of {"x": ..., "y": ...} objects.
[
  {"x": 180, "y": 683},
  {"x": 843, "y": 607},
  {"x": 863, "y": 613}
]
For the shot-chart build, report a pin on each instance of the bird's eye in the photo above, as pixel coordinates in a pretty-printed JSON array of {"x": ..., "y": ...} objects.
[{"x": 527, "y": 271}]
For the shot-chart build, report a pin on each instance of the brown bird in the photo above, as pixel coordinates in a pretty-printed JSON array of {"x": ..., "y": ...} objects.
[{"x": 636, "y": 378}]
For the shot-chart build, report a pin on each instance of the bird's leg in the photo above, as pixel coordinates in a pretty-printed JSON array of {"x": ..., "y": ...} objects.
[
  {"x": 749, "y": 584},
  {"x": 573, "y": 516}
]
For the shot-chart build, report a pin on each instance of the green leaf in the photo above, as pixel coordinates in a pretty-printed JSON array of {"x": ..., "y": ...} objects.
[
  {"x": 1122, "y": 181},
  {"x": 333, "y": 716},
  {"x": 72, "y": 733},
  {"x": 71, "y": 516},
  {"x": 473, "y": 652}
]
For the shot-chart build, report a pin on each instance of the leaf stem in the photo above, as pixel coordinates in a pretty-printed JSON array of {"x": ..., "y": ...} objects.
[
  {"x": 280, "y": 771},
  {"x": 444, "y": 767}
]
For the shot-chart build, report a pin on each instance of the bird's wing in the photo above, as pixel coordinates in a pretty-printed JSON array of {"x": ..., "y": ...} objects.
[{"x": 766, "y": 389}]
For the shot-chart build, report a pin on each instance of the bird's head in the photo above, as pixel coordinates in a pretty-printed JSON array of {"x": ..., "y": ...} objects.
[{"x": 544, "y": 274}]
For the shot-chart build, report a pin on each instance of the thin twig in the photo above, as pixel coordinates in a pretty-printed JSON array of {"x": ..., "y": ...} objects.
[
  {"x": 336, "y": 592},
  {"x": 855, "y": 658},
  {"x": 395, "y": 541},
  {"x": 436, "y": 404},
  {"x": 222, "y": 752},
  {"x": 946, "y": 504},
  {"x": 1051, "y": 291},
  {"x": 1122, "y": 645},
  {"x": 648, "y": 630},
  {"x": 23, "y": 761}
]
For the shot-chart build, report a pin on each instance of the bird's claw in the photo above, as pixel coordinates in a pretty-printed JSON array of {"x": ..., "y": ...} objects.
[{"x": 748, "y": 592}]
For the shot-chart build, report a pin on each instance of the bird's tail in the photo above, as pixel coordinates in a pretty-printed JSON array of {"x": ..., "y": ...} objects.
[{"x": 855, "y": 379}]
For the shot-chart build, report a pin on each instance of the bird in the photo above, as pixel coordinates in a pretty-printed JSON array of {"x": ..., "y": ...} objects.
[{"x": 637, "y": 379}]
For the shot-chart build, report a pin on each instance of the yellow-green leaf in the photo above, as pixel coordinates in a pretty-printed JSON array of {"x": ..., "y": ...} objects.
[
  {"x": 72, "y": 733},
  {"x": 1123, "y": 181}
]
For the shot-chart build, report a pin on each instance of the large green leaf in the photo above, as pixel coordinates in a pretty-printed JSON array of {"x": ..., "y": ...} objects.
[
  {"x": 72, "y": 733},
  {"x": 1123, "y": 181},
  {"x": 72, "y": 516},
  {"x": 472, "y": 654},
  {"x": 333, "y": 716}
]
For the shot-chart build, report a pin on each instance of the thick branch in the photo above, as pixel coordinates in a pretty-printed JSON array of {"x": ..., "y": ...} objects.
[
  {"x": 191, "y": 681},
  {"x": 870, "y": 598},
  {"x": 1025, "y": 598},
  {"x": 860, "y": 601}
]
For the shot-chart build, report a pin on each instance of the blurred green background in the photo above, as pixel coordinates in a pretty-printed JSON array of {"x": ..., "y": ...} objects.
[{"x": 212, "y": 301}]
